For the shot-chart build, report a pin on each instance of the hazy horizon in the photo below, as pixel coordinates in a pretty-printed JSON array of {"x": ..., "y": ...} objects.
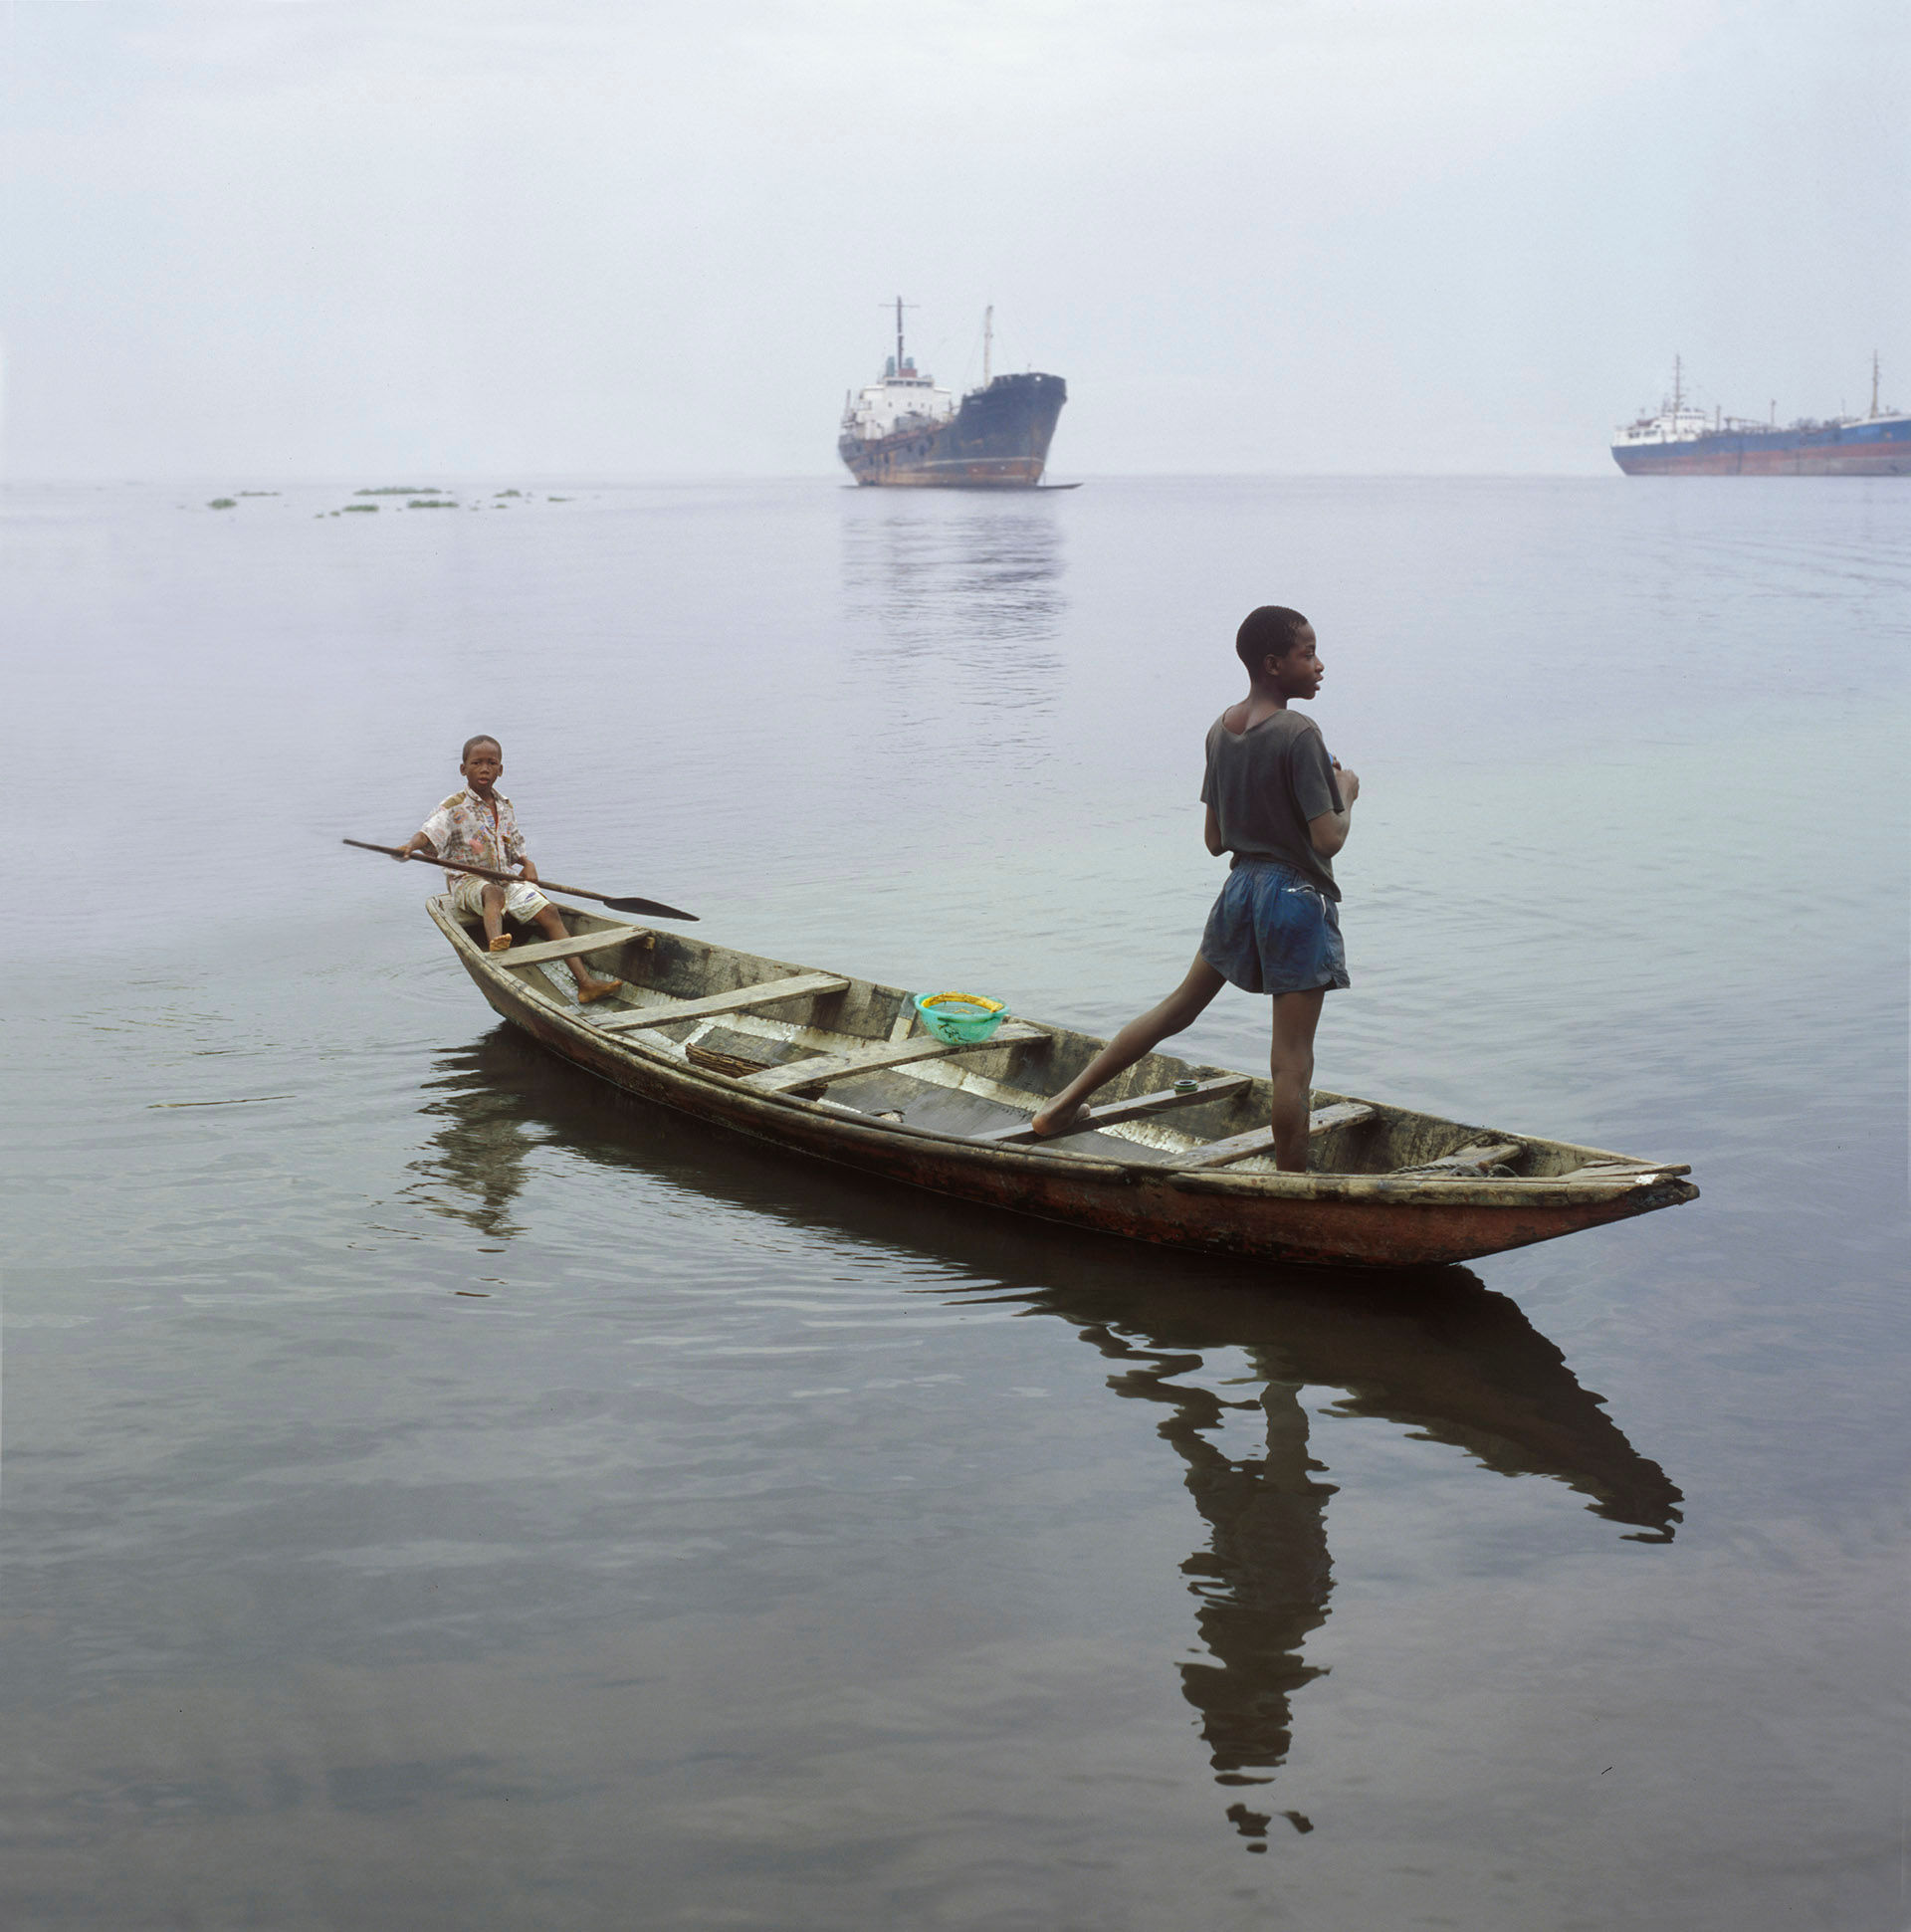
[{"x": 1452, "y": 237}]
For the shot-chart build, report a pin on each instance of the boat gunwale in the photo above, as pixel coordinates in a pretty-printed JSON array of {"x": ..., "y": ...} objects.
[{"x": 642, "y": 1047}]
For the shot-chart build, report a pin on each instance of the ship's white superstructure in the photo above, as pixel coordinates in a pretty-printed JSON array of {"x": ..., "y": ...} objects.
[
  {"x": 1676, "y": 422},
  {"x": 902, "y": 399},
  {"x": 1682, "y": 425}
]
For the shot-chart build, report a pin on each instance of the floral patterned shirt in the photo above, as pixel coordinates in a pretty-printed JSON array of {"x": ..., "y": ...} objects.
[{"x": 475, "y": 831}]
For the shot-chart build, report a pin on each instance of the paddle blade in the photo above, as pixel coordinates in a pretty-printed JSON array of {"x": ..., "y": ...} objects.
[{"x": 651, "y": 908}]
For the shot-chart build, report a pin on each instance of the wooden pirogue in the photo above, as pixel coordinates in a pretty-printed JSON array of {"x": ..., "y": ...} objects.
[{"x": 842, "y": 1069}]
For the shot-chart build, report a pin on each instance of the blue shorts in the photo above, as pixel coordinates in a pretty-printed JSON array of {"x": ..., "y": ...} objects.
[{"x": 1274, "y": 930}]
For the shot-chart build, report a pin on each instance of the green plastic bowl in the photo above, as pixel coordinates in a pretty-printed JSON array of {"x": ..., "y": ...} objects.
[{"x": 961, "y": 1018}]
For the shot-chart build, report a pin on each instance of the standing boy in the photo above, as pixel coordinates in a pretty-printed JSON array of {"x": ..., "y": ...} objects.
[
  {"x": 476, "y": 827},
  {"x": 1282, "y": 806}
]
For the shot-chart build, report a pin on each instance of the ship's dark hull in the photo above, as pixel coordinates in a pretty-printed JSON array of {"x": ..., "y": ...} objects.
[
  {"x": 1856, "y": 449},
  {"x": 997, "y": 439}
]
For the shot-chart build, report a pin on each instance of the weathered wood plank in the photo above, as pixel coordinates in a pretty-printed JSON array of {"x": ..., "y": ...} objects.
[
  {"x": 1482, "y": 1154},
  {"x": 825, "y": 1068},
  {"x": 1084, "y": 1163},
  {"x": 733, "y": 1064},
  {"x": 1117, "y": 1111},
  {"x": 1245, "y": 1147},
  {"x": 1621, "y": 1170},
  {"x": 738, "y": 1000},
  {"x": 577, "y": 943}
]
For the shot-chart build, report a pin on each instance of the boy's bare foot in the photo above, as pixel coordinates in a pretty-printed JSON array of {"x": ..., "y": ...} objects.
[
  {"x": 1050, "y": 1121},
  {"x": 589, "y": 989},
  {"x": 501, "y": 944}
]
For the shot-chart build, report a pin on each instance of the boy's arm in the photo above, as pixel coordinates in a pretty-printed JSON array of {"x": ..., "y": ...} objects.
[
  {"x": 435, "y": 833},
  {"x": 1211, "y": 832},
  {"x": 513, "y": 843},
  {"x": 417, "y": 842},
  {"x": 1328, "y": 832}
]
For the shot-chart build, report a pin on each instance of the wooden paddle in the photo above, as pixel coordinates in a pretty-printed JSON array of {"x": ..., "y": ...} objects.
[{"x": 651, "y": 907}]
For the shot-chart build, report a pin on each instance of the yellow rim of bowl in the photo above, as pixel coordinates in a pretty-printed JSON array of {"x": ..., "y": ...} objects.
[{"x": 982, "y": 1007}]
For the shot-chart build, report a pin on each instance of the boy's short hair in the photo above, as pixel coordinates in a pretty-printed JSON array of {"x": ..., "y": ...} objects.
[
  {"x": 1270, "y": 631},
  {"x": 482, "y": 738}
]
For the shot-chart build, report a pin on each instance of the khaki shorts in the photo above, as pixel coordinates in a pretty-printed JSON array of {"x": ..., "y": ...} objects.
[{"x": 521, "y": 900}]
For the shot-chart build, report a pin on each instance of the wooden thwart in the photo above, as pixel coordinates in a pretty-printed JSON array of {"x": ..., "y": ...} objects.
[
  {"x": 1482, "y": 1154},
  {"x": 1117, "y": 1111},
  {"x": 1245, "y": 1147},
  {"x": 738, "y": 1000},
  {"x": 571, "y": 948},
  {"x": 828, "y": 1067}
]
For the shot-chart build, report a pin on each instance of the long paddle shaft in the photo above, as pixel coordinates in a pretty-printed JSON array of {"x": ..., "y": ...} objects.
[{"x": 655, "y": 909}]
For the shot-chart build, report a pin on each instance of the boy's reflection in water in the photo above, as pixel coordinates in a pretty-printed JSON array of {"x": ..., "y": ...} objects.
[
  {"x": 475, "y": 1166},
  {"x": 1263, "y": 1581},
  {"x": 1437, "y": 1353}
]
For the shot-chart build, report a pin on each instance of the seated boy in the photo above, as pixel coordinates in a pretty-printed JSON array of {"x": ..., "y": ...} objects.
[
  {"x": 476, "y": 827},
  {"x": 1282, "y": 806}
]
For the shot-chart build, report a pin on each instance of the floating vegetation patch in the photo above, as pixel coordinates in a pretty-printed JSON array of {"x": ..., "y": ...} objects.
[
  {"x": 401, "y": 490},
  {"x": 364, "y": 509},
  {"x": 511, "y": 492},
  {"x": 557, "y": 499},
  {"x": 258, "y": 493},
  {"x": 431, "y": 502},
  {"x": 223, "y": 503}
]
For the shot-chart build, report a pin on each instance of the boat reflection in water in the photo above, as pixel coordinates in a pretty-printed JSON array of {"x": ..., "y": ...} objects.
[{"x": 1437, "y": 1353}]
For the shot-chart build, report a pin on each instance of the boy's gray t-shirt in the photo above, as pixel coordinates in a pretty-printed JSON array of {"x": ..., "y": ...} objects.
[{"x": 1266, "y": 784}]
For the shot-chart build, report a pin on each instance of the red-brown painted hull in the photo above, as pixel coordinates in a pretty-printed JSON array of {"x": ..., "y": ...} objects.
[
  {"x": 907, "y": 463},
  {"x": 1365, "y": 1220},
  {"x": 1771, "y": 463}
]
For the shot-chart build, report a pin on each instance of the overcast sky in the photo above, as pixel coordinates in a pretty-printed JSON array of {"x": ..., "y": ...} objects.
[{"x": 618, "y": 238}]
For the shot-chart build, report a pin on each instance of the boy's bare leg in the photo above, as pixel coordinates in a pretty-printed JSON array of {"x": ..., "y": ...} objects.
[
  {"x": 493, "y": 913},
  {"x": 1139, "y": 1036},
  {"x": 1296, "y": 1015},
  {"x": 588, "y": 987}
]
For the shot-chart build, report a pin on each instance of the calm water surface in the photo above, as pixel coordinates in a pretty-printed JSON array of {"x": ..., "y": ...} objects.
[{"x": 438, "y": 1493}]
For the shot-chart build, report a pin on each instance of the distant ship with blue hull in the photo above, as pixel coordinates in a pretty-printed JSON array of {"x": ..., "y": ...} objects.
[
  {"x": 1683, "y": 441},
  {"x": 903, "y": 432}
]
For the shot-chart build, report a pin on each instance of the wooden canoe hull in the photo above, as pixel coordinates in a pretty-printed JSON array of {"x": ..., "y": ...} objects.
[{"x": 1344, "y": 1220}]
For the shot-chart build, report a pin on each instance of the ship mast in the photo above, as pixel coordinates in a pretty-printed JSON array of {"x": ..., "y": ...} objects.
[
  {"x": 989, "y": 343},
  {"x": 1679, "y": 382},
  {"x": 1874, "y": 382},
  {"x": 901, "y": 305}
]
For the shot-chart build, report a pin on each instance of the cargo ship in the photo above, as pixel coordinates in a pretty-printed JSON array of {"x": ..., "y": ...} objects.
[
  {"x": 1683, "y": 441},
  {"x": 903, "y": 431}
]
